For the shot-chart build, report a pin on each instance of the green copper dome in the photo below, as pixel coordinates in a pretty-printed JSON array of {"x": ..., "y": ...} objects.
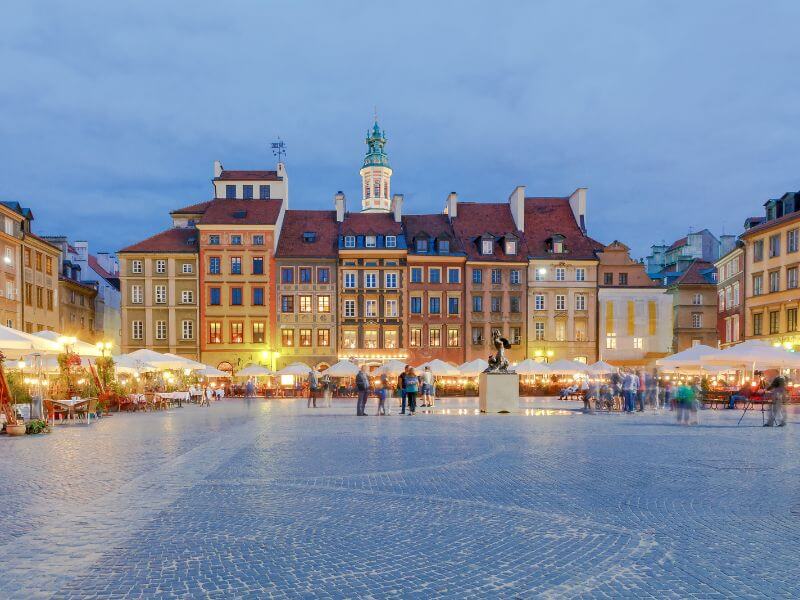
[{"x": 376, "y": 140}]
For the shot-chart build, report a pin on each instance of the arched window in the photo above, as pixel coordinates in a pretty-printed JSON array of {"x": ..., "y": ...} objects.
[
  {"x": 377, "y": 189},
  {"x": 366, "y": 190}
]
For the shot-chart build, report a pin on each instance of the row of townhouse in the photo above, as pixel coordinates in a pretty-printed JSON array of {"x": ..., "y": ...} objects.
[{"x": 243, "y": 279}]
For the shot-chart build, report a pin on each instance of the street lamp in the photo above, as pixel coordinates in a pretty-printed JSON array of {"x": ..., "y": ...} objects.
[{"x": 103, "y": 347}]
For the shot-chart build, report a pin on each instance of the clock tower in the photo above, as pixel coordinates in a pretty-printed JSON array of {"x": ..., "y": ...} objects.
[{"x": 376, "y": 175}]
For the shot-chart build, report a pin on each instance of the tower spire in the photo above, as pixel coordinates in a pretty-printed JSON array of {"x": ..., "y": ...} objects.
[{"x": 376, "y": 174}]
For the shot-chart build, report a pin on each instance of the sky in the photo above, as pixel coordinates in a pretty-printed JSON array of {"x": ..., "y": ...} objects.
[{"x": 674, "y": 115}]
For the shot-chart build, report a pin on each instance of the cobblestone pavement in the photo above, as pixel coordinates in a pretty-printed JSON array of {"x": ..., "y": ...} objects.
[{"x": 269, "y": 499}]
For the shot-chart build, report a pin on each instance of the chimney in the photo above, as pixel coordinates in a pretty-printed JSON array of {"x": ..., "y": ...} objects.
[
  {"x": 452, "y": 205},
  {"x": 217, "y": 169},
  {"x": 577, "y": 202},
  {"x": 397, "y": 207},
  {"x": 517, "y": 202},
  {"x": 341, "y": 206}
]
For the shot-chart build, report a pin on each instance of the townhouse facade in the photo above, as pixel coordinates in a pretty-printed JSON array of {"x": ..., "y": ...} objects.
[
  {"x": 11, "y": 269},
  {"x": 693, "y": 288},
  {"x": 41, "y": 283},
  {"x": 730, "y": 297}
]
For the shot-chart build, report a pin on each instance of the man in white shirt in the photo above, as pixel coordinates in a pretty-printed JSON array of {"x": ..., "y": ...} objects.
[{"x": 427, "y": 387}]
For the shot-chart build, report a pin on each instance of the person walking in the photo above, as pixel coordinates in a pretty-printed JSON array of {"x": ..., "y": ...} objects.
[
  {"x": 427, "y": 387},
  {"x": 327, "y": 390},
  {"x": 362, "y": 386},
  {"x": 777, "y": 412},
  {"x": 641, "y": 386},
  {"x": 382, "y": 393},
  {"x": 411, "y": 384},
  {"x": 629, "y": 389},
  {"x": 313, "y": 388},
  {"x": 401, "y": 386},
  {"x": 250, "y": 389}
]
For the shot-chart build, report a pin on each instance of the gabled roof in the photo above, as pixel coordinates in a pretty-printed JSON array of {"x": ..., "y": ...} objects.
[
  {"x": 698, "y": 272},
  {"x": 436, "y": 226},
  {"x": 475, "y": 219},
  {"x": 549, "y": 216},
  {"x": 765, "y": 225},
  {"x": 192, "y": 209},
  {"x": 241, "y": 212},
  {"x": 177, "y": 239},
  {"x": 370, "y": 224},
  {"x": 19, "y": 209},
  {"x": 249, "y": 176},
  {"x": 296, "y": 223},
  {"x": 678, "y": 243}
]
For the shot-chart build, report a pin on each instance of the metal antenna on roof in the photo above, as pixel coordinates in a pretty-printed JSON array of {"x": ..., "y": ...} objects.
[{"x": 279, "y": 149}]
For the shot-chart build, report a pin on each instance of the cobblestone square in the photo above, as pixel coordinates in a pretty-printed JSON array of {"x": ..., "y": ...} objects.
[{"x": 253, "y": 499}]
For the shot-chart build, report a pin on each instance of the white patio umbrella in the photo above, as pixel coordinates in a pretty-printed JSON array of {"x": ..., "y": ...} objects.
[
  {"x": 48, "y": 363},
  {"x": 15, "y": 343},
  {"x": 208, "y": 371},
  {"x": 297, "y": 369},
  {"x": 254, "y": 371},
  {"x": 601, "y": 368},
  {"x": 531, "y": 367},
  {"x": 77, "y": 346},
  {"x": 568, "y": 367},
  {"x": 473, "y": 368},
  {"x": 391, "y": 367},
  {"x": 686, "y": 359},
  {"x": 157, "y": 360},
  {"x": 440, "y": 368},
  {"x": 125, "y": 364},
  {"x": 188, "y": 363},
  {"x": 343, "y": 368},
  {"x": 752, "y": 355}
]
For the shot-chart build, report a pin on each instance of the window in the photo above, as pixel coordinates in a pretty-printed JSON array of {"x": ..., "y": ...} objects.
[
  {"x": 735, "y": 328},
  {"x": 390, "y": 309},
  {"x": 370, "y": 241},
  {"x": 487, "y": 247},
  {"x": 136, "y": 266},
  {"x": 638, "y": 343},
  {"x": 758, "y": 250},
  {"x": 258, "y": 332},
  {"x": 477, "y": 276},
  {"x": 371, "y": 279},
  {"x": 791, "y": 277},
  {"x": 349, "y": 308},
  {"x": 187, "y": 297},
  {"x": 415, "y": 337},
  {"x": 287, "y": 275},
  {"x": 697, "y": 300},
  {"x": 434, "y": 275},
  {"x": 258, "y": 265},
  {"x": 511, "y": 247},
  {"x": 515, "y": 333},
  {"x": 497, "y": 276},
  {"x": 186, "y": 268},
  {"x": 514, "y": 304},
  {"x": 230, "y": 192},
  {"x": 214, "y": 265},
  {"x": 137, "y": 330},
  {"x": 477, "y": 304},
  {"x": 434, "y": 305},
  {"x": 263, "y": 192},
  {"x": 391, "y": 241},
  {"x": 323, "y": 304},
  {"x": 421, "y": 244},
  {"x": 735, "y": 288},
  {"x": 49, "y": 299},
  {"x": 697, "y": 320},
  {"x": 349, "y": 338},
  {"x": 161, "y": 294},
  {"x": 305, "y": 303},
  {"x": 538, "y": 302},
  {"x": 304, "y": 274},
  {"x": 305, "y": 337},
  {"x": 137, "y": 297},
  {"x": 453, "y": 306},
  {"x": 538, "y": 331},
  {"x": 349, "y": 241},
  {"x": 580, "y": 302},
  {"x": 213, "y": 240},
  {"x": 323, "y": 337},
  {"x": 187, "y": 330},
  {"x": 236, "y": 296},
  {"x": 434, "y": 337},
  {"x": 453, "y": 337},
  {"x": 477, "y": 335},
  {"x": 350, "y": 279},
  {"x": 287, "y": 338},
  {"x": 371, "y": 338},
  {"x": 214, "y": 332},
  {"x": 444, "y": 246},
  {"x": 775, "y": 245},
  {"x": 453, "y": 275},
  {"x": 623, "y": 279},
  {"x": 323, "y": 275},
  {"x": 792, "y": 240},
  {"x": 390, "y": 338},
  {"x": 514, "y": 276},
  {"x": 416, "y": 274},
  {"x": 236, "y": 240},
  {"x": 757, "y": 323},
  {"x": 236, "y": 265},
  {"x": 258, "y": 296},
  {"x": 611, "y": 341},
  {"x": 774, "y": 281},
  {"x": 287, "y": 304},
  {"x": 608, "y": 279},
  {"x": 539, "y": 274},
  {"x": 561, "y": 302},
  {"x": 580, "y": 274},
  {"x": 9, "y": 256},
  {"x": 791, "y": 319},
  {"x": 161, "y": 330},
  {"x": 8, "y": 225},
  {"x": 247, "y": 191},
  {"x": 258, "y": 240},
  {"x": 27, "y": 257},
  {"x": 214, "y": 296},
  {"x": 561, "y": 273},
  {"x": 391, "y": 279},
  {"x": 580, "y": 331},
  {"x": 721, "y": 299},
  {"x": 758, "y": 284},
  {"x": 496, "y": 304},
  {"x": 774, "y": 321},
  {"x": 161, "y": 265}
]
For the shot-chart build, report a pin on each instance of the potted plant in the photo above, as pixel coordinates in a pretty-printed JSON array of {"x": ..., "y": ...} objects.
[{"x": 14, "y": 426}]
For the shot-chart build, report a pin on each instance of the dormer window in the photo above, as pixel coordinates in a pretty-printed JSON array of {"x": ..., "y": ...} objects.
[
  {"x": 444, "y": 246},
  {"x": 391, "y": 241},
  {"x": 309, "y": 237},
  {"x": 487, "y": 247},
  {"x": 511, "y": 247},
  {"x": 349, "y": 241},
  {"x": 556, "y": 244},
  {"x": 421, "y": 244},
  {"x": 370, "y": 241}
]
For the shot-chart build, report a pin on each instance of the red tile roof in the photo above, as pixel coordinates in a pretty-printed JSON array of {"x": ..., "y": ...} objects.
[
  {"x": 693, "y": 275},
  {"x": 296, "y": 223},
  {"x": 97, "y": 268},
  {"x": 370, "y": 223},
  {"x": 192, "y": 209},
  {"x": 678, "y": 243},
  {"x": 545, "y": 217},
  {"x": 178, "y": 239},
  {"x": 434, "y": 225},
  {"x": 249, "y": 176},
  {"x": 475, "y": 219},
  {"x": 765, "y": 225},
  {"x": 241, "y": 212}
]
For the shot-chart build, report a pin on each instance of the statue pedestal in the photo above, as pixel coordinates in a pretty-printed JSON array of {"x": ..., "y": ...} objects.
[{"x": 499, "y": 392}]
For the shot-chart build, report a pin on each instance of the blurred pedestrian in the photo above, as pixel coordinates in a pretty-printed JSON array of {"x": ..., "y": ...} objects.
[
  {"x": 401, "y": 386},
  {"x": 362, "y": 387},
  {"x": 411, "y": 385},
  {"x": 427, "y": 387},
  {"x": 777, "y": 412},
  {"x": 313, "y": 388}
]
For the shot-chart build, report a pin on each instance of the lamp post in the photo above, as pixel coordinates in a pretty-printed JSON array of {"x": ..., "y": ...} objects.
[{"x": 104, "y": 347}]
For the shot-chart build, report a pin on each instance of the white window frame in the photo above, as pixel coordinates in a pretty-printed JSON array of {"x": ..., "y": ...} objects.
[
  {"x": 390, "y": 308},
  {"x": 137, "y": 266},
  {"x": 370, "y": 308},
  {"x": 511, "y": 247},
  {"x": 350, "y": 308},
  {"x": 137, "y": 330},
  {"x": 539, "y": 331},
  {"x": 487, "y": 247},
  {"x": 349, "y": 241},
  {"x": 561, "y": 274},
  {"x": 391, "y": 241},
  {"x": 539, "y": 302},
  {"x": 580, "y": 301},
  {"x": 370, "y": 241},
  {"x": 561, "y": 302},
  {"x": 161, "y": 266},
  {"x": 187, "y": 329},
  {"x": 137, "y": 294},
  {"x": 187, "y": 268},
  {"x": 350, "y": 275},
  {"x": 580, "y": 274},
  {"x": 515, "y": 277},
  {"x": 187, "y": 296},
  {"x": 160, "y": 294},
  {"x": 390, "y": 280},
  {"x": 161, "y": 330},
  {"x": 373, "y": 276}
]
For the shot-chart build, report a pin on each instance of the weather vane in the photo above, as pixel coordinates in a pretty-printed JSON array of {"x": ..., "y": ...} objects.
[{"x": 279, "y": 149}]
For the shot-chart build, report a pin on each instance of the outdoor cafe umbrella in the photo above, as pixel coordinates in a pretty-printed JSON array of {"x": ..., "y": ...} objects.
[
  {"x": 601, "y": 368},
  {"x": 157, "y": 360},
  {"x": 297, "y": 369},
  {"x": 125, "y": 364},
  {"x": 440, "y": 368},
  {"x": 531, "y": 367},
  {"x": 15, "y": 343},
  {"x": 77, "y": 346},
  {"x": 187, "y": 363},
  {"x": 473, "y": 368},
  {"x": 686, "y": 359},
  {"x": 208, "y": 371},
  {"x": 568, "y": 367},
  {"x": 254, "y": 371},
  {"x": 753, "y": 354},
  {"x": 343, "y": 368},
  {"x": 391, "y": 367}
]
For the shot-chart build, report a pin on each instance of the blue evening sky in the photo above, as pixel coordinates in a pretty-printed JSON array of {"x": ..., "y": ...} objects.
[{"x": 673, "y": 114}]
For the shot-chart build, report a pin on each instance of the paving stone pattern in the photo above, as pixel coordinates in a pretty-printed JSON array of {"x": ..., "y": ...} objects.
[{"x": 255, "y": 499}]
